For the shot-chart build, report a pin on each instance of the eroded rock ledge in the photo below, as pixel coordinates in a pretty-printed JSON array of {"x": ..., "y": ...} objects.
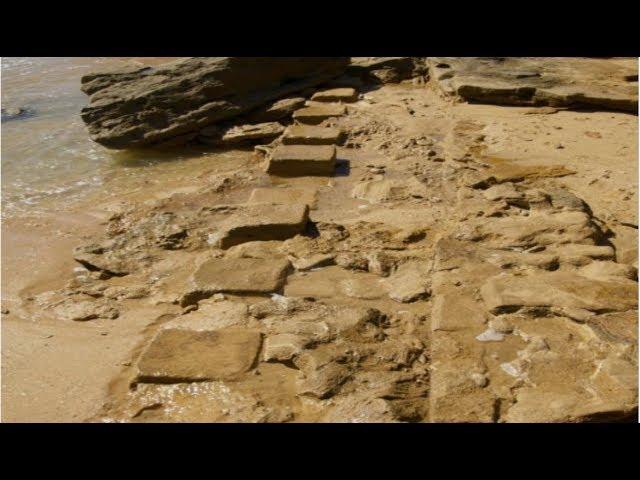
[
  {"x": 558, "y": 82},
  {"x": 204, "y": 97},
  {"x": 138, "y": 107}
]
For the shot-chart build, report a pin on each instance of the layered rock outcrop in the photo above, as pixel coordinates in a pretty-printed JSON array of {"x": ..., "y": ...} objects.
[
  {"x": 142, "y": 106},
  {"x": 557, "y": 82},
  {"x": 138, "y": 107}
]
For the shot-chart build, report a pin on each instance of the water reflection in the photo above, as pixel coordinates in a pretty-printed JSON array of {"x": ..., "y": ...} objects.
[{"x": 48, "y": 160}]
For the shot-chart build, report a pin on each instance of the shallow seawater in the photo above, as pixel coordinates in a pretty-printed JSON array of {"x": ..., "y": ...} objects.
[{"x": 48, "y": 160}]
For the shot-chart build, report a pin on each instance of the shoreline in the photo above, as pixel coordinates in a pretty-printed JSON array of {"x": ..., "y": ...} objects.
[{"x": 63, "y": 370}]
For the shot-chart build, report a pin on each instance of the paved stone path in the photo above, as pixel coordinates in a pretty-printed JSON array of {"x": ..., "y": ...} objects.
[{"x": 511, "y": 258}]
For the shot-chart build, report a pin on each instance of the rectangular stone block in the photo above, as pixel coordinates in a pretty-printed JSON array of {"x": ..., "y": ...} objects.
[
  {"x": 318, "y": 114},
  {"x": 177, "y": 355},
  {"x": 336, "y": 95},
  {"x": 240, "y": 275},
  {"x": 310, "y": 135},
  {"x": 302, "y": 160},
  {"x": 262, "y": 221},
  {"x": 299, "y": 196}
]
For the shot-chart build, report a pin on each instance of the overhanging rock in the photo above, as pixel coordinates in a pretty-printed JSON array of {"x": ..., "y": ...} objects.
[{"x": 139, "y": 107}]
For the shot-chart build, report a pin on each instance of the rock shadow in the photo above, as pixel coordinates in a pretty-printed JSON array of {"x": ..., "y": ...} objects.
[{"x": 343, "y": 168}]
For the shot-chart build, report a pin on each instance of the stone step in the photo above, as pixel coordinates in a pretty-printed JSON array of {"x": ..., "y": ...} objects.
[
  {"x": 261, "y": 221},
  {"x": 302, "y": 160},
  {"x": 311, "y": 135},
  {"x": 288, "y": 195},
  {"x": 237, "y": 276},
  {"x": 317, "y": 114},
  {"x": 346, "y": 95}
]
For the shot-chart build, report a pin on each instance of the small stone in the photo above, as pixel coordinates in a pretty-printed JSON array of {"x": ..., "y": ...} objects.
[
  {"x": 283, "y": 347},
  {"x": 14, "y": 113},
  {"x": 512, "y": 368},
  {"x": 242, "y": 134},
  {"x": 490, "y": 335},
  {"x": 84, "y": 310},
  {"x": 480, "y": 379},
  {"x": 322, "y": 376}
]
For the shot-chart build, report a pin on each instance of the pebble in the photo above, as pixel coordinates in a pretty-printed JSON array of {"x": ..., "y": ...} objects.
[
  {"x": 511, "y": 369},
  {"x": 480, "y": 379},
  {"x": 490, "y": 335}
]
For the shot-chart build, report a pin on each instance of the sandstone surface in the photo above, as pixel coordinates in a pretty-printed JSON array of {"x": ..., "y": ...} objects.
[
  {"x": 557, "y": 82},
  {"x": 461, "y": 262}
]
